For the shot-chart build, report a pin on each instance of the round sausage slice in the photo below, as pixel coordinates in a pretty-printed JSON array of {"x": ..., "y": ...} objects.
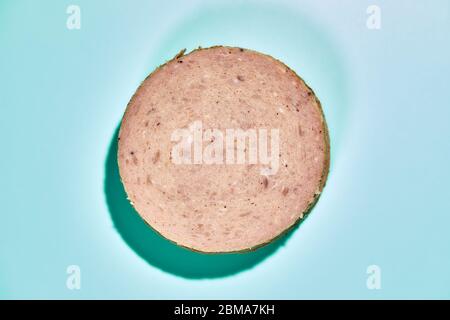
[{"x": 223, "y": 149}]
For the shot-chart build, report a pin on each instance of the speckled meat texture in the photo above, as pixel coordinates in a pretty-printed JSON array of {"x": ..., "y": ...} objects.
[{"x": 222, "y": 208}]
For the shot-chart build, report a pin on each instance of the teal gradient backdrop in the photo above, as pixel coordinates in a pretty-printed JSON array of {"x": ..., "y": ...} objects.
[{"x": 386, "y": 97}]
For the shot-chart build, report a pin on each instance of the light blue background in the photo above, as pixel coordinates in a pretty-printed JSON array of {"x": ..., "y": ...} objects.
[{"x": 386, "y": 96}]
